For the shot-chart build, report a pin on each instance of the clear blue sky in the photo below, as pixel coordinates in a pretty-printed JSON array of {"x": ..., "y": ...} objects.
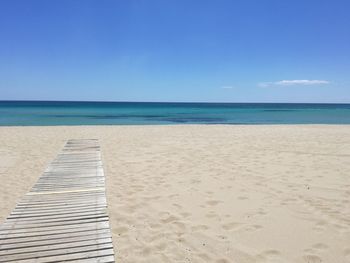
[{"x": 175, "y": 50}]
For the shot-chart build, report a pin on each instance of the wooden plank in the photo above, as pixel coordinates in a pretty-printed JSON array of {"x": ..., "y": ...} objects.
[
  {"x": 58, "y": 237},
  {"x": 27, "y": 212},
  {"x": 55, "y": 246},
  {"x": 52, "y": 220},
  {"x": 48, "y": 241},
  {"x": 33, "y": 224},
  {"x": 86, "y": 226},
  {"x": 26, "y": 209},
  {"x": 74, "y": 199},
  {"x": 64, "y": 216},
  {"x": 67, "y": 223},
  {"x": 54, "y": 253},
  {"x": 55, "y": 216}
]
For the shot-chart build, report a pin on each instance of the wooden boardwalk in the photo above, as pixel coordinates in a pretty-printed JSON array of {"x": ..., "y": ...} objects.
[{"x": 64, "y": 216}]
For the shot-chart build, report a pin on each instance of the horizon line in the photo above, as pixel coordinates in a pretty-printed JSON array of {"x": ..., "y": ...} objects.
[{"x": 179, "y": 102}]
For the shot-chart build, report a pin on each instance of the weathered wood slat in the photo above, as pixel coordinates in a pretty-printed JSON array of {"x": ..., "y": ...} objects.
[
  {"x": 59, "y": 227},
  {"x": 64, "y": 216},
  {"x": 78, "y": 234},
  {"x": 67, "y": 223},
  {"x": 25, "y": 212},
  {"x": 87, "y": 253},
  {"x": 63, "y": 202},
  {"x": 34, "y": 223},
  {"x": 55, "y": 246},
  {"x": 47, "y": 242},
  {"x": 58, "y": 209},
  {"x": 39, "y": 217}
]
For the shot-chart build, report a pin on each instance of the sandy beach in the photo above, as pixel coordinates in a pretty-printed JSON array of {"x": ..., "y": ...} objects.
[{"x": 206, "y": 193}]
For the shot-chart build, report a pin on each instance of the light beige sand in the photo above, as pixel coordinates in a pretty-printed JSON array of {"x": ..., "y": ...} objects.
[{"x": 207, "y": 193}]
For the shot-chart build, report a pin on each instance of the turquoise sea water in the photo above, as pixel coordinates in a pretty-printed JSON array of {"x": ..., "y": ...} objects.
[{"x": 139, "y": 113}]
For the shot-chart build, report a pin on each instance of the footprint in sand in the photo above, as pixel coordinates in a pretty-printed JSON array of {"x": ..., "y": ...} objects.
[
  {"x": 185, "y": 214},
  {"x": 222, "y": 260},
  {"x": 312, "y": 259},
  {"x": 270, "y": 255},
  {"x": 212, "y": 214},
  {"x": 231, "y": 226},
  {"x": 169, "y": 219},
  {"x": 320, "y": 226},
  {"x": 340, "y": 228},
  {"x": 320, "y": 246},
  {"x": 177, "y": 206},
  {"x": 195, "y": 181},
  {"x": 315, "y": 249},
  {"x": 181, "y": 226},
  {"x": 213, "y": 202},
  {"x": 163, "y": 214}
]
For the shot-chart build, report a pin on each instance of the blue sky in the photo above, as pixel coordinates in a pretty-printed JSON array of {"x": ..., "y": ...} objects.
[{"x": 175, "y": 50}]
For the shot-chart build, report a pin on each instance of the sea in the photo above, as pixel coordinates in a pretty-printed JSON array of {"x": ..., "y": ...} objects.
[{"x": 51, "y": 113}]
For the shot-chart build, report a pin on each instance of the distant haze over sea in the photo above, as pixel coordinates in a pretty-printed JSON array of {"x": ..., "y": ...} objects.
[{"x": 38, "y": 113}]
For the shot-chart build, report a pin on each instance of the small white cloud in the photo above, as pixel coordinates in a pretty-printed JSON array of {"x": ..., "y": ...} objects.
[
  {"x": 227, "y": 87},
  {"x": 302, "y": 82},
  {"x": 294, "y": 82}
]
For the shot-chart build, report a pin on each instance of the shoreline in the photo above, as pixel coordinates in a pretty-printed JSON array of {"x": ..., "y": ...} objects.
[{"x": 177, "y": 125}]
